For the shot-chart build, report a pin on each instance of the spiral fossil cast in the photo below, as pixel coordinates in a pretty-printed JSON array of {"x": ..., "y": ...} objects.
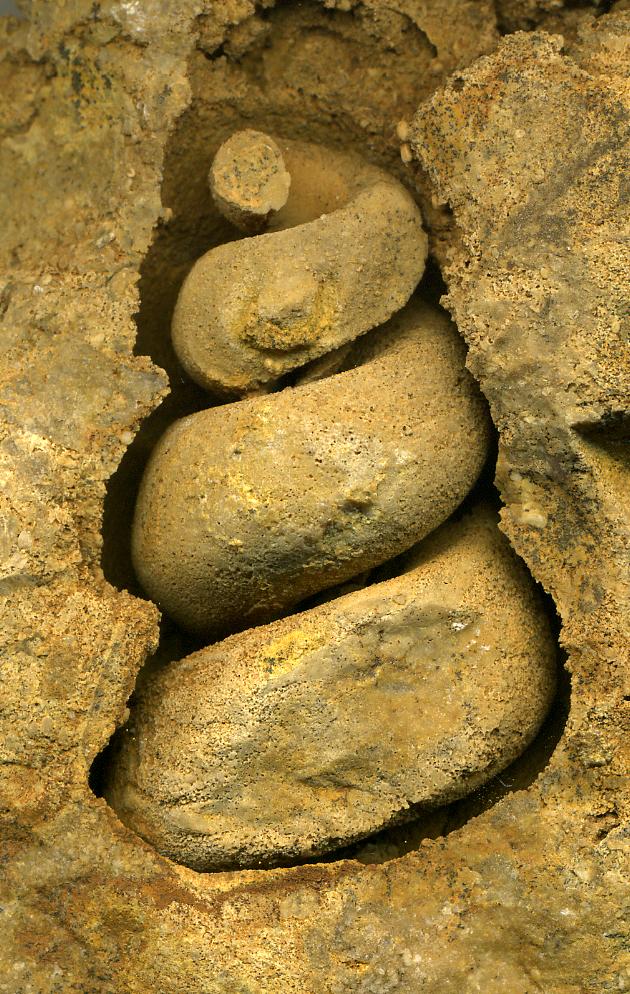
[
  {"x": 341, "y": 256},
  {"x": 247, "y": 509},
  {"x": 287, "y": 740}
]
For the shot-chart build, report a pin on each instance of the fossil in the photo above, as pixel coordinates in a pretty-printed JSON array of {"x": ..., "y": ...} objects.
[
  {"x": 340, "y": 257},
  {"x": 323, "y": 727},
  {"x": 290, "y": 739},
  {"x": 248, "y": 508}
]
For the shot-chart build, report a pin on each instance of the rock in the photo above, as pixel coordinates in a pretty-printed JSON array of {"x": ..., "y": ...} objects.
[
  {"x": 345, "y": 253},
  {"x": 248, "y": 179},
  {"x": 291, "y": 739},
  {"x": 246, "y": 509},
  {"x": 531, "y": 891}
]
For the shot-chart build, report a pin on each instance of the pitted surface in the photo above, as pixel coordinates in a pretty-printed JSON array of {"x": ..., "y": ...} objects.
[
  {"x": 248, "y": 508},
  {"x": 529, "y": 893},
  {"x": 292, "y": 739}
]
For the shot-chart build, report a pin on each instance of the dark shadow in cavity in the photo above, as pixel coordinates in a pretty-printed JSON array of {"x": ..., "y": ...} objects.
[{"x": 174, "y": 644}]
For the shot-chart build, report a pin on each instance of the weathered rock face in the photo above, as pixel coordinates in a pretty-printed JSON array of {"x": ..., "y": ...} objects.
[
  {"x": 539, "y": 240},
  {"x": 529, "y": 893},
  {"x": 287, "y": 740}
]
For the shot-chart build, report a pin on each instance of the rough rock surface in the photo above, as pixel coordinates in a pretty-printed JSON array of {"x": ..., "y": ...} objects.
[
  {"x": 526, "y": 896},
  {"x": 289, "y": 740},
  {"x": 248, "y": 179},
  {"x": 248, "y": 508},
  {"x": 346, "y": 253}
]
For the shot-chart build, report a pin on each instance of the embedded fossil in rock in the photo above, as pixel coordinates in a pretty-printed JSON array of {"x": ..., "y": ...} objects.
[
  {"x": 323, "y": 727},
  {"x": 285, "y": 741},
  {"x": 344, "y": 254}
]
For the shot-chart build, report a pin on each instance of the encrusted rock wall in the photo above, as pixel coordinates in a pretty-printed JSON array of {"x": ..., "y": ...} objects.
[{"x": 527, "y": 149}]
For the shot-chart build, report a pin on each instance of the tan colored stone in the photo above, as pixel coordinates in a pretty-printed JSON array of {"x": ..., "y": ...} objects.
[
  {"x": 530, "y": 892},
  {"x": 246, "y": 509},
  {"x": 345, "y": 253},
  {"x": 291, "y": 739},
  {"x": 248, "y": 179}
]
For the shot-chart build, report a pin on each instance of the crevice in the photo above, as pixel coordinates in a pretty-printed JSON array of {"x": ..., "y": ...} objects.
[{"x": 613, "y": 426}]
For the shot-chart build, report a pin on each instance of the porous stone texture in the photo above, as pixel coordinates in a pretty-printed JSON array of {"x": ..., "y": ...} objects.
[
  {"x": 249, "y": 180},
  {"x": 248, "y": 508},
  {"x": 292, "y": 739},
  {"x": 526, "y": 896},
  {"x": 346, "y": 253}
]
